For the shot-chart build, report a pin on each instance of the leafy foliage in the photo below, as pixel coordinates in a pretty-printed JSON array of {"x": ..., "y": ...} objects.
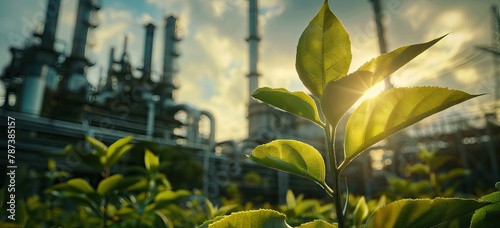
[
  {"x": 322, "y": 61},
  {"x": 292, "y": 156},
  {"x": 378, "y": 118},
  {"x": 423, "y": 212}
]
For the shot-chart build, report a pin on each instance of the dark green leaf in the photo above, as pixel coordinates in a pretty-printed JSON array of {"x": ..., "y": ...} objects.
[
  {"x": 378, "y": 118},
  {"x": 323, "y": 52},
  {"x": 422, "y": 212},
  {"x": 340, "y": 95},
  {"x": 318, "y": 224},
  {"x": 452, "y": 174},
  {"x": 166, "y": 197},
  {"x": 109, "y": 184},
  {"x": 255, "y": 218},
  {"x": 488, "y": 216},
  {"x": 292, "y": 156},
  {"x": 297, "y": 103}
]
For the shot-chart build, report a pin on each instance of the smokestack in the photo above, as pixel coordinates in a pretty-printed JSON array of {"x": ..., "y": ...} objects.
[
  {"x": 49, "y": 31},
  {"x": 85, "y": 8},
  {"x": 111, "y": 59},
  {"x": 253, "y": 44},
  {"x": 148, "y": 50},
  {"x": 75, "y": 80},
  {"x": 169, "y": 55}
]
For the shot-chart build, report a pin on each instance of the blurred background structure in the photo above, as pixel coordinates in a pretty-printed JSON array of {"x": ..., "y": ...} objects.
[{"x": 49, "y": 94}]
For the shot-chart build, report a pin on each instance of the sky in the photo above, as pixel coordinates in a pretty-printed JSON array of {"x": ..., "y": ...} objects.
[{"x": 214, "y": 54}]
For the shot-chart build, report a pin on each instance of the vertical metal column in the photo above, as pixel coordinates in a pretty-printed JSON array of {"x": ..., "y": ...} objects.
[{"x": 381, "y": 35}]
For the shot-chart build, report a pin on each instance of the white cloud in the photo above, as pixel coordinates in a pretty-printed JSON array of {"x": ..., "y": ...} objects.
[{"x": 467, "y": 76}]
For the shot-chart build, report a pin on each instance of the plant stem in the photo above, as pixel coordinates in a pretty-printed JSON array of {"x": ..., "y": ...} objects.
[
  {"x": 105, "y": 213},
  {"x": 335, "y": 172}
]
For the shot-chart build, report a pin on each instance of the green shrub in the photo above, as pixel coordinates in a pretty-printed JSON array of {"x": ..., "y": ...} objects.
[{"x": 322, "y": 62}]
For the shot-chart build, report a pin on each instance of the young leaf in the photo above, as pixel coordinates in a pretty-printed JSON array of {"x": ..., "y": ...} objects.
[
  {"x": 378, "y": 118},
  {"x": 100, "y": 147},
  {"x": 292, "y": 156},
  {"x": 151, "y": 161},
  {"x": 386, "y": 64},
  {"x": 77, "y": 185},
  {"x": 290, "y": 199},
  {"x": 255, "y": 218},
  {"x": 297, "y": 103},
  {"x": 422, "y": 212},
  {"x": 318, "y": 224},
  {"x": 166, "y": 197},
  {"x": 360, "y": 212},
  {"x": 487, "y": 216},
  {"x": 340, "y": 95},
  {"x": 109, "y": 184},
  {"x": 323, "y": 52},
  {"x": 117, "y": 149}
]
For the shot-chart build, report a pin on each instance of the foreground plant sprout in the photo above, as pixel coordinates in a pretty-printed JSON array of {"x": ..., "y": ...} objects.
[{"x": 322, "y": 62}]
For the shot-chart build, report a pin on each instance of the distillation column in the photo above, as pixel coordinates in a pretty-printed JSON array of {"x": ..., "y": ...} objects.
[
  {"x": 148, "y": 52},
  {"x": 75, "y": 83},
  {"x": 257, "y": 112},
  {"x": 39, "y": 67},
  {"x": 167, "y": 86}
]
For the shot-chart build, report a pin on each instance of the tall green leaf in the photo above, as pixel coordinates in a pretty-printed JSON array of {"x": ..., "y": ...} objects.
[
  {"x": 117, "y": 150},
  {"x": 292, "y": 156},
  {"x": 340, "y": 95},
  {"x": 109, "y": 184},
  {"x": 151, "y": 161},
  {"x": 422, "y": 212},
  {"x": 100, "y": 147},
  {"x": 290, "y": 199},
  {"x": 323, "y": 52},
  {"x": 255, "y": 218},
  {"x": 393, "y": 110},
  {"x": 360, "y": 212},
  {"x": 297, "y": 103},
  {"x": 384, "y": 65}
]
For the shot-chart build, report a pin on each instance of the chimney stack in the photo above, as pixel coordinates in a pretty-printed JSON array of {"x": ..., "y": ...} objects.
[
  {"x": 169, "y": 55},
  {"x": 148, "y": 51},
  {"x": 49, "y": 31},
  {"x": 253, "y": 44}
]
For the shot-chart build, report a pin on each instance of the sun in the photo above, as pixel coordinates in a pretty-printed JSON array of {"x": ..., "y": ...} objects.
[{"x": 373, "y": 92}]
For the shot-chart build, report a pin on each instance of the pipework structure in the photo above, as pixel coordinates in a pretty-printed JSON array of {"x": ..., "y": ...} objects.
[{"x": 49, "y": 95}]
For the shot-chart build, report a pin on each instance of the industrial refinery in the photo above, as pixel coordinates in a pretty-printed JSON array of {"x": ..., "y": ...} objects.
[{"x": 48, "y": 93}]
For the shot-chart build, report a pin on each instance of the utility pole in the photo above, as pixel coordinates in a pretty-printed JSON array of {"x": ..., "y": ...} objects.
[{"x": 381, "y": 35}]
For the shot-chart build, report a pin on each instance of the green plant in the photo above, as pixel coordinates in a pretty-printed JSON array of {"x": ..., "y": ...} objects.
[
  {"x": 139, "y": 196},
  {"x": 436, "y": 183},
  {"x": 322, "y": 62}
]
